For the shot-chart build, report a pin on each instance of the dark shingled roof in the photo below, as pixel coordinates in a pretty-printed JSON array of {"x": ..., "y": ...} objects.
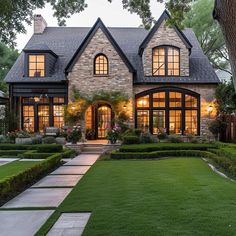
[{"x": 64, "y": 41}]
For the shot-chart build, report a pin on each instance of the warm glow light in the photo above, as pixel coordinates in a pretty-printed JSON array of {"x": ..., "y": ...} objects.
[
  {"x": 73, "y": 107},
  {"x": 124, "y": 107},
  {"x": 210, "y": 109},
  {"x": 36, "y": 99},
  {"x": 143, "y": 102}
]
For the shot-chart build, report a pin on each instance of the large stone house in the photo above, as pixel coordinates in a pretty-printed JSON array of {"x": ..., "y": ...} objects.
[{"x": 164, "y": 72}]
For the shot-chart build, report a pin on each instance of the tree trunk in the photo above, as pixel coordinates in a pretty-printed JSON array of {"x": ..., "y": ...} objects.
[{"x": 225, "y": 13}]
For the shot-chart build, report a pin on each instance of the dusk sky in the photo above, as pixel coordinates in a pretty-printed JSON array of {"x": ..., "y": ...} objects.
[{"x": 112, "y": 14}]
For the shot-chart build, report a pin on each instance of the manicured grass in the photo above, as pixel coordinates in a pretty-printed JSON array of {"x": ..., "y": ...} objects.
[
  {"x": 15, "y": 167},
  {"x": 178, "y": 196}
]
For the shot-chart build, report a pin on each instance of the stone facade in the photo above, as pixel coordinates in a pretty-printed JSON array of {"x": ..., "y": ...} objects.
[
  {"x": 207, "y": 98},
  {"x": 166, "y": 36}
]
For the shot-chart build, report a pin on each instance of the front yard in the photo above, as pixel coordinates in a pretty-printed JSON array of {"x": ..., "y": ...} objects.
[{"x": 177, "y": 196}]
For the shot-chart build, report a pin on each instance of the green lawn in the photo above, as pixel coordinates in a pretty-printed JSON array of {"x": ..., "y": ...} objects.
[
  {"x": 14, "y": 167},
  {"x": 178, "y": 196}
]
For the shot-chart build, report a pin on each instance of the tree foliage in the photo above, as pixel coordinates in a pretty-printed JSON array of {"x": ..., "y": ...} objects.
[
  {"x": 226, "y": 98},
  {"x": 7, "y": 59},
  {"x": 208, "y": 33}
]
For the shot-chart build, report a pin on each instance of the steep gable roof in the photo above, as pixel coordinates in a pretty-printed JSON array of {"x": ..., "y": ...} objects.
[
  {"x": 165, "y": 15},
  {"x": 98, "y": 24}
]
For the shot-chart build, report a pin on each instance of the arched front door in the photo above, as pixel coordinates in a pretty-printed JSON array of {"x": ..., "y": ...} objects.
[{"x": 103, "y": 116}]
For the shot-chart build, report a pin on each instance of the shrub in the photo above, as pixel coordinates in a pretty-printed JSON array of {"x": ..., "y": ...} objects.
[
  {"x": 36, "y": 140},
  {"x": 165, "y": 146},
  {"x": 162, "y": 135},
  {"x": 49, "y": 140},
  {"x": 49, "y": 148},
  {"x": 69, "y": 153},
  {"x": 137, "y": 132},
  {"x": 146, "y": 138},
  {"x": 11, "y": 152},
  {"x": 74, "y": 135},
  {"x": 131, "y": 140},
  {"x": 160, "y": 154},
  {"x": 12, "y": 185},
  {"x": 173, "y": 138}
]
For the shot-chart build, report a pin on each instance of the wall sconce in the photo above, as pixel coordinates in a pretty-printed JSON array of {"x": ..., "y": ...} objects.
[
  {"x": 210, "y": 109},
  {"x": 124, "y": 107},
  {"x": 73, "y": 108}
]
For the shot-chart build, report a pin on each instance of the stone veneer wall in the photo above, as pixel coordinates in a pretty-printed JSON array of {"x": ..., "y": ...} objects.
[
  {"x": 119, "y": 79},
  {"x": 166, "y": 36},
  {"x": 207, "y": 98}
]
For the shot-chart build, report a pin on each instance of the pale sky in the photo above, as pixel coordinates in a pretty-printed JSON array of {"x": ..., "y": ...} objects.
[{"x": 112, "y": 14}]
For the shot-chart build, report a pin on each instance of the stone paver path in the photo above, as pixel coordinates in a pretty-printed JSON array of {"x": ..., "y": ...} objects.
[
  {"x": 58, "y": 181},
  {"x": 48, "y": 192},
  {"x": 71, "y": 170},
  {"x": 22, "y": 223},
  {"x": 4, "y": 161},
  {"x": 44, "y": 197},
  {"x": 70, "y": 224}
]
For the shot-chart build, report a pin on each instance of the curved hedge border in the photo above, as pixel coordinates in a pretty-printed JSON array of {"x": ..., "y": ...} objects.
[
  {"x": 39, "y": 147},
  {"x": 12, "y": 185},
  {"x": 160, "y": 154},
  {"x": 165, "y": 146}
]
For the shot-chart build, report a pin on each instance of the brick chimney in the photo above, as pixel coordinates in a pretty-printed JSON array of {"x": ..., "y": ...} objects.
[{"x": 39, "y": 24}]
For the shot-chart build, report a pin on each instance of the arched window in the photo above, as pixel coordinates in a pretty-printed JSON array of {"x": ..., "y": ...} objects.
[
  {"x": 169, "y": 109},
  {"x": 101, "y": 65},
  {"x": 165, "y": 61}
]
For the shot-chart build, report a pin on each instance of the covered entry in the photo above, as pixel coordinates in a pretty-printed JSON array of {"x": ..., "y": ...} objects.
[{"x": 98, "y": 119}]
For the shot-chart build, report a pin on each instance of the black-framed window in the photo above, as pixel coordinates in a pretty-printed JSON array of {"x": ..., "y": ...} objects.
[
  {"x": 36, "y": 65},
  {"x": 39, "y": 112},
  {"x": 169, "y": 109},
  {"x": 101, "y": 65},
  {"x": 166, "y": 61}
]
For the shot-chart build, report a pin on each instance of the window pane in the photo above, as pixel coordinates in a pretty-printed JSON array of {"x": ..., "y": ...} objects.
[
  {"x": 159, "y": 99},
  {"x": 58, "y": 115},
  {"x": 173, "y": 61},
  {"x": 191, "y": 122},
  {"x": 28, "y": 118},
  {"x": 43, "y": 117},
  {"x": 101, "y": 65},
  {"x": 190, "y": 101},
  {"x": 175, "y": 121},
  {"x": 175, "y": 99},
  {"x": 158, "y": 61},
  {"x": 158, "y": 121},
  {"x": 58, "y": 100},
  {"x": 143, "y": 101},
  {"x": 143, "y": 120},
  {"x": 36, "y": 66}
]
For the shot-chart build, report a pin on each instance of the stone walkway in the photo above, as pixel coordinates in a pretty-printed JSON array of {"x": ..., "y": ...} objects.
[
  {"x": 48, "y": 192},
  {"x": 4, "y": 161}
]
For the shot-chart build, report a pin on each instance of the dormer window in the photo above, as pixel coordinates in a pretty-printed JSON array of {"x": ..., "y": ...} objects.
[
  {"x": 101, "y": 65},
  {"x": 36, "y": 65},
  {"x": 166, "y": 61}
]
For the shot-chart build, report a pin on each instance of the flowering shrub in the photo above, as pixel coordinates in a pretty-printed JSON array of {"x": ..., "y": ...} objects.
[
  {"x": 113, "y": 134},
  {"x": 74, "y": 134}
]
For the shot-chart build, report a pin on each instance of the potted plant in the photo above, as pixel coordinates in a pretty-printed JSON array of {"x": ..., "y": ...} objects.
[
  {"x": 23, "y": 137},
  {"x": 90, "y": 134},
  {"x": 113, "y": 134},
  {"x": 74, "y": 134}
]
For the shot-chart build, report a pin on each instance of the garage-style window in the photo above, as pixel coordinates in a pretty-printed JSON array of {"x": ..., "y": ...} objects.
[
  {"x": 36, "y": 65},
  {"x": 173, "y": 110},
  {"x": 101, "y": 65},
  {"x": 166, "y": 61}
]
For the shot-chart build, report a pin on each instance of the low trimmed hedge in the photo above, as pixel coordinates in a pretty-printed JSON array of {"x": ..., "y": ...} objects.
[
  {"x": 12, "y": 185},
  {"x": 50, "y": 148},
  {"x": 160, "y": 154},
  {"x": 165, "y": 146},
  {"x": 68, "y": 153},
  {"x": 33, "y": 154},
  {"x": 228, "y": 152},
  {"x": 11, "y": 152},
  {"x": 131, "y": 139}
]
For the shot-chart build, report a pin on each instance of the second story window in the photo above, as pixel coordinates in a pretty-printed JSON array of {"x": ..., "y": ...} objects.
[
  {"x": 36, "y": 65},
  {"x": 166, "y": 61},
  {"x": 101, "y": 65}
]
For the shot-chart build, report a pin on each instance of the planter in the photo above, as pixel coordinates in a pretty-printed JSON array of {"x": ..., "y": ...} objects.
[
  {"x": 23, "y": 140},
  {"x": 61, "y": 140}
]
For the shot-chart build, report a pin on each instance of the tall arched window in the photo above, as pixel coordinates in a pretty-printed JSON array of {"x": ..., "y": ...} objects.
[
  {"x": 165, "y": 61},
  {"x": 101, "y": 65},
  {"x": 174, "y": 110}
]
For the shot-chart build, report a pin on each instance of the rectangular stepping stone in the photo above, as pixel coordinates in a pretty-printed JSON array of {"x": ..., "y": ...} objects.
[
  {"x": 72, "y": 224},
  {"x": 31, "y": 159},
  {"x": 84, "y": 160},
  {"x": 22, "y": 223},
  {"x": 33, "y": 197},
  {"x": 71, "y": 170},
  {"x": 58, "y": 181}
]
